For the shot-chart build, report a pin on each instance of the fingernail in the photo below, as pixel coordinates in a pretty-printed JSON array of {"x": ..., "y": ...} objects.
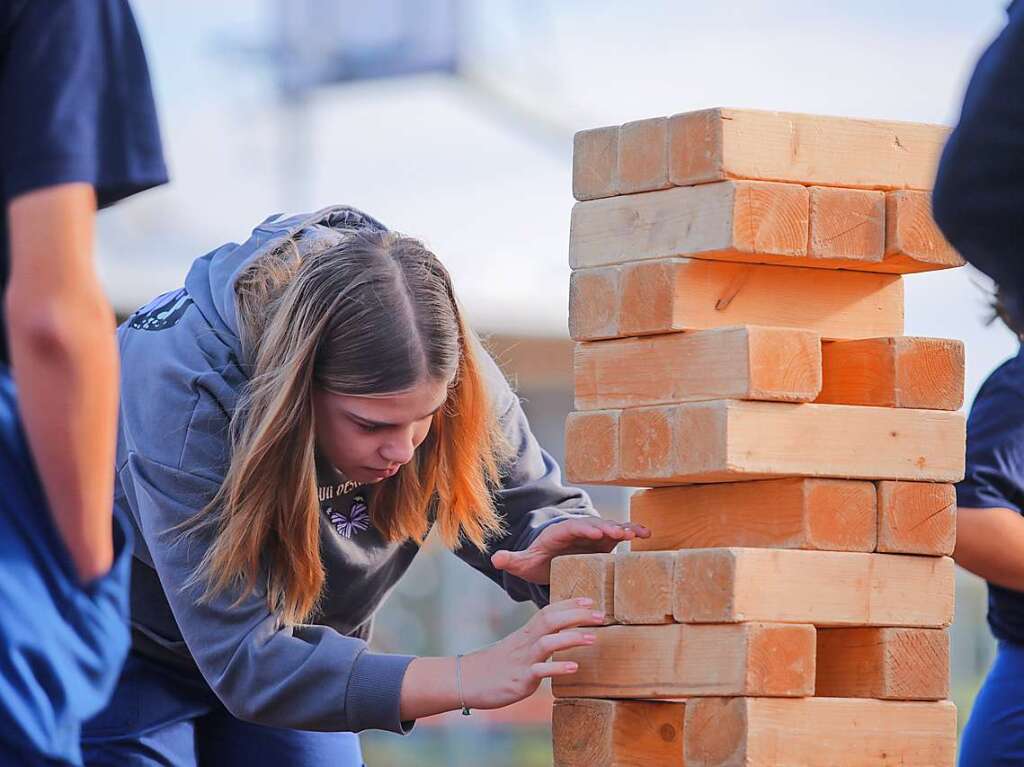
[
  {"x": 589, "y": 637},
  {"x": 584, "y": 601},
  {"x": 572, "y": 666},
  {"x": 597, "y": 616}
]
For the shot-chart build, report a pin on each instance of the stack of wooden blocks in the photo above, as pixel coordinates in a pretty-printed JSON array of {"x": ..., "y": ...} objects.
[{"x": 737, "y": 299}]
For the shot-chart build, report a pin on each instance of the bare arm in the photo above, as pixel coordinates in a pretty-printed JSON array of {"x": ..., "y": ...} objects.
[
  {"x": 990, "y": 543},
  {"x": 64, "y": 356}
]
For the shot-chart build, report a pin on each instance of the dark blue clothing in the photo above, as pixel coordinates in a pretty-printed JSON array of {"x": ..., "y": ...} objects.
[
  {"x": 170, "y": 717},
  {"x": 979, "y": 193},
  {"x": 61, "y": 645},
  {"x": 994, "y": 735},
  {"x": 995, "y": 473},
  {"x": 75, "y": 104}
]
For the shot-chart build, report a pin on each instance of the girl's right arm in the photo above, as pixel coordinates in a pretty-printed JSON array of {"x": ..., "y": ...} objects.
[
  {"x": 505, "y": 672},
  {"x": 990, "y": 543}
]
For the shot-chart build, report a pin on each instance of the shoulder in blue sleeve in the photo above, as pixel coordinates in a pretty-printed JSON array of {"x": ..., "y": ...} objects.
[{"x": 995, "y": 442}]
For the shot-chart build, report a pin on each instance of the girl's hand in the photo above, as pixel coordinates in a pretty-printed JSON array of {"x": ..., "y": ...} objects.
[
  {"x": 513, "y": 668},
  {"x": 579, "y": 535}
]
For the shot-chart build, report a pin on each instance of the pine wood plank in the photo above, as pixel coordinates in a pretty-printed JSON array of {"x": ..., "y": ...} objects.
[
  {"x": 617, "y": 733},
  {"x": 818, "y": 732},
  {"x": 795, "y": 513},
  {"x": 595, "y": 163},
  {"x": 680, "y": 661},
  {"x": 732, "y": 440},
  {"x": 826, "y": 588},
  {"x": 746, "y": 362},
  {"x": 722, "y": 143},
  {"x": 885, "y": 663},
  {"x": 651, "y": 297},
  {"x": 585, "y": 575},
  {"x": 916, "y": 518},
  {"x": 644, "y": 587},
  {"x": 903, "y": 371}
]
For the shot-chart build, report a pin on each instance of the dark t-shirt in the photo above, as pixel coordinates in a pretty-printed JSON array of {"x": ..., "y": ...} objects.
[
  {"x": 995, "y": 474},
  {"x": 75, "y": 105}
]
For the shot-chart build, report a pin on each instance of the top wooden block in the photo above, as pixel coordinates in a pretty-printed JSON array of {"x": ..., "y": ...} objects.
[{"x": 721, "y": 143}]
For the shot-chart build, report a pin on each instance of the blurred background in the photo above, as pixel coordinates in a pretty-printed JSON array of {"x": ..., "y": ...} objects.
[{"x": 452, "y": 120}]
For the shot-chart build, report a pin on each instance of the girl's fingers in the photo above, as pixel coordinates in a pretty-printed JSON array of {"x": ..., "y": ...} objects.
[
  {"x": 553, "y": 668},
  {"x": 563, "y": 640},
  {"x": 549, "y": 621}
]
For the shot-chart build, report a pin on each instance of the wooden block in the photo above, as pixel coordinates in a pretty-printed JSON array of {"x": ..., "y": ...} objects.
[
  {"x": 826, "y": 588},
  {"x": 916, "y": 518},
  {"x": 595, "y": 163},
  {"x": 746, "y": 362},
  {"x": 925, "y": 373},
  {"x": 643, "y": 155},
  {"x": 594, "y": 303},
  {"x": 913, "y": 242},
  {"x": 679, "y": 661},
  {"x": 732, "y": 221},
  {"x": 847, "y": 224},
  {"x": 685, "y": 294},
  {"x": 886, "y": 663},
  {"x": 644, "y": 587},
  {"x": 585, "y": 575},
  {"x": 592, "y": 446},
  {"x": 718, "y": 144},
  {"x": 617, "y": 733},
  {"x": 825, "y": 514},
  {"x": 818, "y": 732},
  {"x": 733, "y": 440}
]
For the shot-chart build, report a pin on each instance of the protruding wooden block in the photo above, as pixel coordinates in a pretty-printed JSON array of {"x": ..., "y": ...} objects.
[
  {"x": 679, "y": 661},
  {"x": 617, "y": 733},
  {"x": 818, "y": 732},
  {"x": 595, "y": 163},
  {"x": 746, "y": 362},
  {"x": 643, "y": 155},
  {"x": 644, "y": 587},
  {"x": 916, "y": 518},
  {"x": 684, "y": 294},
  {"x": 585, "y": 575},
  {"x": 826, "y": 588},
  {"x": 718, "y": 144},
  {"x": 926, "y": 373},
  {"x": 732, "y": 440},
  {"x": 826, "y": 514},
  {"x": 592, "y": 446},
  {"x": 913, "y": 242},
  {"x": 887, "y": 663},
  {"x": 847, "y": 224},
  {"x": 751, "y": 221},
  {"x": 595, "y": 303}
]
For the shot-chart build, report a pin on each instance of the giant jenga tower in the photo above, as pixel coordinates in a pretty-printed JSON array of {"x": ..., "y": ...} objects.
[{"x": 737, "y": 299}]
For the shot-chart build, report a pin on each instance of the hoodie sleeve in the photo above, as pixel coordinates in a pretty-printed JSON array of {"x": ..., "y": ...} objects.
[
  {"x": 531, "y": 495},
  {"x": 304, "y": 677},
  {"x": 979, "y": 198}
]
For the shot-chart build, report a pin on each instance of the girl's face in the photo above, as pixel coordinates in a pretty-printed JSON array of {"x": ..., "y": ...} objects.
[{"x": 369, "y": 438}]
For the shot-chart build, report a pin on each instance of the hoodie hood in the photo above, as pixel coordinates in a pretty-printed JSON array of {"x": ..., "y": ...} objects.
[{"x": 211, "y": 280}]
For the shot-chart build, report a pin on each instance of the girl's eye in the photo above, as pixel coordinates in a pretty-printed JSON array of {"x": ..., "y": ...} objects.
[{"x": 366, "y": 428}]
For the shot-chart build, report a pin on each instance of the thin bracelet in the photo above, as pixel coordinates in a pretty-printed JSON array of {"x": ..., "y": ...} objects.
[{"x": 458, "y": 681}]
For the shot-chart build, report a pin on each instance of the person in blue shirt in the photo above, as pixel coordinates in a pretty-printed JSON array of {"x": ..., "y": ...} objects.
[
  {"x": 979, "y": 204},
  {"x": 78, "y": 132}
]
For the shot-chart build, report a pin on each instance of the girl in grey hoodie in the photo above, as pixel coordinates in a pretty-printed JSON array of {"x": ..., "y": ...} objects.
[{"x": 294, "y": 421}]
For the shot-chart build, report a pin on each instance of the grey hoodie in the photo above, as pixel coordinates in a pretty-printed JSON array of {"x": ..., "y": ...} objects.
[{"x": 182, "y": 374}]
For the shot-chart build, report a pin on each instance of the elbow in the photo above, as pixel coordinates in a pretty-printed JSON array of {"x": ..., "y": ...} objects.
[{"x": 52, "y": 327}]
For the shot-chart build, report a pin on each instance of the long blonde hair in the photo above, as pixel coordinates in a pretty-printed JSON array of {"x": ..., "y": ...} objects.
[{"x": 357, "y": 312}]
